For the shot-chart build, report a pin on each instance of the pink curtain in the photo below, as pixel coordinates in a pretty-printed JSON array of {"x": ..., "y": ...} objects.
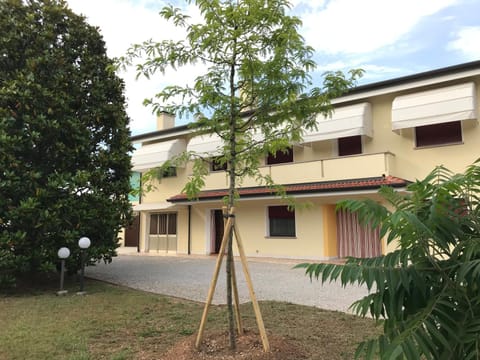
[{"x": 354, "y": 239}]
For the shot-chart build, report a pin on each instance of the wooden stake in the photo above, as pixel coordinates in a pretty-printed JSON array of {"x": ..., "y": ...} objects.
[
  {"x": 261, "y": 326},
  {"x": 256, "y": 308},
  {"x": 213, "y": 284}
]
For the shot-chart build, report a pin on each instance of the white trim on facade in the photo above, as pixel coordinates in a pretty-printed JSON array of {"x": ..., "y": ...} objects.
[
  {"x": 345, "y": 121},
  {"x": 446, "y": 104},
  {"x": 163, "y": 205}
]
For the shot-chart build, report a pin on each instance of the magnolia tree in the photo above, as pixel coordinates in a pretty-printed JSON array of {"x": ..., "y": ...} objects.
[
  {"x": 64, "y": 140},
  {"x": 255, "y": 93}
]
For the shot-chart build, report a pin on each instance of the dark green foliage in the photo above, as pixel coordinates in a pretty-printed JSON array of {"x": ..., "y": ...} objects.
[
  {"x": 428, "y": 291},
  {"x": 64, "y": 139}
]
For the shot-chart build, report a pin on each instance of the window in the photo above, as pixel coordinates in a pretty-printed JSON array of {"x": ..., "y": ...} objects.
[
  {"x": 217, "y": 165},
  {"x": 280, "y": 157},
  {"x": 438, "y": 134},
  {"x": 163, "y": 224},
  {"x": 350, "y": 145},
  {"x": 170, "y": 171},
  {"x": 281, "y": 221}
]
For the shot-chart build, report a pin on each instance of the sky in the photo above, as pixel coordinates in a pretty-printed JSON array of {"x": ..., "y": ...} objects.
[{"x": 386, "y": 38}]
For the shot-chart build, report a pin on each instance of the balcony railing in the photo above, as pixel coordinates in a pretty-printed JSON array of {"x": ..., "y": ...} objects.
[{"x": 339, "y": 168}]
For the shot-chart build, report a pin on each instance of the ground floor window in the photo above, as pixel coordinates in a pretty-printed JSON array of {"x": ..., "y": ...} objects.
[
  {"x": 163, "y": 224},
  {"x": 281, "y": 221}
]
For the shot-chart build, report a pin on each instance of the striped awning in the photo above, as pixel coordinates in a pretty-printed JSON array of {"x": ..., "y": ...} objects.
[
  {"x": 206, "y": 145},
  {"x": 345, "y": 121},
  {"x": 447, "y": 104},
  {"x": 153, "y": 155}
]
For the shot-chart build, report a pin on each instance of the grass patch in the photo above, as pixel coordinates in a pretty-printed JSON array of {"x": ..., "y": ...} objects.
[{"x": 113, "y": 322}]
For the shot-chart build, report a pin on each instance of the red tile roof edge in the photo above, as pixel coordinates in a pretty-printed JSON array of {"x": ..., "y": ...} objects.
[{"x": 292, "y": 189}]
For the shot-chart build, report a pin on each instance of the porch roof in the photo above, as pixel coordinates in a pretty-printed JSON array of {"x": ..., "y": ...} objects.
[{"x": 371, "y": 183}]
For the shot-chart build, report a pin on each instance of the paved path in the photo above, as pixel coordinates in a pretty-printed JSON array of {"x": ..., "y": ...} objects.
[{"x": 189, "y": 277}]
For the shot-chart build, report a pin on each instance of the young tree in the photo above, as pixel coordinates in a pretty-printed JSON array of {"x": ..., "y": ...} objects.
[
  {"x": 64, "y": 139},
  {"x": 427, "y": 291},
  {"x": 254, "y": 93}
]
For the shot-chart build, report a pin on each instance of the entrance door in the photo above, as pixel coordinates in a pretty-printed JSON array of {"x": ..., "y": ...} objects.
[
  {"x": 218, "y": 228},
  {"x": 355, "y": 239},
  {"x": 132, "y": 233}
]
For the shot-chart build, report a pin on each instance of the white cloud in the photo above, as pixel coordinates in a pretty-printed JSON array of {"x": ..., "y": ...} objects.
[
  {"x": 378, "y": 72},
  {"x": 466, "y": 41},
  {"x": 350, "y": 33},
  {"x": 352, "y": 26},
  {"x": 311, "y": 5},
  {"x": 123, "y": 23}
]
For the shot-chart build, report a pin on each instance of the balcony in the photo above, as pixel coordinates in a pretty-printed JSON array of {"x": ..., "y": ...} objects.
[{"x": 339, "y": 168}]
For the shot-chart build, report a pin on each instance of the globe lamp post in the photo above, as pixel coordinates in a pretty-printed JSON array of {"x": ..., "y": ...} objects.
[
  {"x": 63, "y": 253},
  {"x": 84, "y": 244}
]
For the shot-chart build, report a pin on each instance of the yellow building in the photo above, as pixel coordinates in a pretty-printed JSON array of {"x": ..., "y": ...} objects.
[{"x": 386, "y": 133}]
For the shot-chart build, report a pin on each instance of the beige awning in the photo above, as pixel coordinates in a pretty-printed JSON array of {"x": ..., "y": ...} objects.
[
  {"x": 345, "y": 121},
  {"x": 206, "y": 145},
  {"x": 153, "y": 155},
  {"x": 447, "y": 104}
]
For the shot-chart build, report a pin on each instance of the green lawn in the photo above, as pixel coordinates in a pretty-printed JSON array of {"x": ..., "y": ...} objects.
[{"x": 113, "y": 322}]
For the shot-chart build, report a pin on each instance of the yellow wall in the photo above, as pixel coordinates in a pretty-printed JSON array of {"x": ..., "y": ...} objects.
[
  {"x": 415, "y": 163},
  {"x": 330, "y": 249},
  {"x": 388, "y": 153},
  {"x": 313, "y": 227}
]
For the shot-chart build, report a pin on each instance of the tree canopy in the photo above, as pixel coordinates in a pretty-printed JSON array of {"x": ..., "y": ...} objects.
[
  {"x": 65, "y": 162},
  {"x": 255, "y": 93},
  {"x": 428, "y": 290}
]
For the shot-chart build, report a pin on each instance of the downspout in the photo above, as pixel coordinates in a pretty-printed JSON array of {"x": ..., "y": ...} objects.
[
  {"x": 189, "y": 239},
  {"x": 139, "y": 213}
]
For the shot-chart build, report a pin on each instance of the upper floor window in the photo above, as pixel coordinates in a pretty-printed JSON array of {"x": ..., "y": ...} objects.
[
  {"x": 170, "y": 171},
  {"x": 280, "y": 157},
  {"x": 217, "y": 165},
  {"x": 438, "y": 134},
  {"x": 351, "y": 145},
  {"x": 281, "y": 221}
]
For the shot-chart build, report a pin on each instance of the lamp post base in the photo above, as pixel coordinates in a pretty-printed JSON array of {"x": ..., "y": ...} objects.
[{"x": 62, "y": 292}]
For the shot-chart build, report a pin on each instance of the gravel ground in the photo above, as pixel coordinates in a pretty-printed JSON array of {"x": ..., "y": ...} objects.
[{"x": 189, "y": 277}]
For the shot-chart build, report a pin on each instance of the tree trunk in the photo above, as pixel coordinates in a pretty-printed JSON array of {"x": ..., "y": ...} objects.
[
  {"x": 231, "y": 323},
  {"x": 229, "y": 263},
  {"x": 232, "y": 168}
]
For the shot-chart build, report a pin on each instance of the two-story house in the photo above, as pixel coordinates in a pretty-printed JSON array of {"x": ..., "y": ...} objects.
[{"x": 384, "y": 133}]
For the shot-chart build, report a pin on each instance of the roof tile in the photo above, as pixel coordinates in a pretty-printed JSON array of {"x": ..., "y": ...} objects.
[{"x": 292, "y": 189}]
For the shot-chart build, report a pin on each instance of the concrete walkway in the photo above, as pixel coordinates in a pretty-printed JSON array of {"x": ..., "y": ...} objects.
[{"x": 189, "y": 277}]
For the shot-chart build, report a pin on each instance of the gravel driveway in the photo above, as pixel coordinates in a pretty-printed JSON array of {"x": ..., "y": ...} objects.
[{"x": 190, "y": 277}]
